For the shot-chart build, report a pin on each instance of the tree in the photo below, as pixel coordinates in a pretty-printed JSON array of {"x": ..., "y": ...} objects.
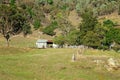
[
  {"x": 12, "y": 22},
  {"x": 89, "y": 21},
  {"x": 50, "y": 29},
  {"x": 110, "y": 32},
  {"x": 95, "y": 38},
  {"x": 72, "y": 37},
  {"x": 64, "y": 24},
  {"x": 113, "y": 35},
  {"x": 60, "y": 40},
  {"x": 88, "y": 24},
  {"x": 91, "y": 39}
]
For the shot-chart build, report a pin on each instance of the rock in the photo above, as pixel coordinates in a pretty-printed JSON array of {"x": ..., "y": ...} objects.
[{"x": 112, "y": 64}]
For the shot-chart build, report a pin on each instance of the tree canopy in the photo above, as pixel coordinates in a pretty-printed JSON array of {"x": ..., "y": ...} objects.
[{"x": 12, "y": 22}]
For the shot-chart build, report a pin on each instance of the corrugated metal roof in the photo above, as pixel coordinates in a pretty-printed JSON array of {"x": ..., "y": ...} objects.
[{"x": 41, "y": 40}]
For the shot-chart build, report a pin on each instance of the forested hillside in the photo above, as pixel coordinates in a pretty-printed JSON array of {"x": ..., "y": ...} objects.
[{"x": 72, "y": 22}]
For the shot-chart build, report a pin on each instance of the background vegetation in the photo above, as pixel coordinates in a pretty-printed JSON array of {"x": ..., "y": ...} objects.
[{"x": 49, "y": 16}]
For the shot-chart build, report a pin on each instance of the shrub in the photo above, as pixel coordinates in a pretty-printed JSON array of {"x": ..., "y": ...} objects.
[
  {"x": 59, "y": 40},
  {"x": 116, "y": 47},
  {"x": 50, "y": 29},
  {"x": 108, "y": 23},
  {"x": 36, "y": 24},
  {"x": 50, "y": 2}
]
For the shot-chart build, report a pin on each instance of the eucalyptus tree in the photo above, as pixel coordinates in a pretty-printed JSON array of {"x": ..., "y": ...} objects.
[
  {"x": 12, "y": 22},
  {"x": 64, "y": 24}
]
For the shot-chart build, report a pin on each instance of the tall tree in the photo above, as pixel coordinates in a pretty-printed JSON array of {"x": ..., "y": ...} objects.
[
  {"x": 12, "y": 22},
  {"x": 87, "y": 26},
  {"x": 88, "y": 21}
]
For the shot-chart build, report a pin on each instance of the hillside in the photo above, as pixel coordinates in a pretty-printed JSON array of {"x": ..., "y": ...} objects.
[{"x": 93, "y": 23}]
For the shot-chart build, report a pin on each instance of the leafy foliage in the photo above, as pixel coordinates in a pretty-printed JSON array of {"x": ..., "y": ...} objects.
[
  {"x": 60, "y": 40},
  {"x": 52, "y": 14},
  {"x": 26, "y": 28},
  {"x": 89, "y": 21},
  {"x": 37, "y": 24},
  {"x": 88, "y": 24},
  {"x": 12, "y": 22},
  {"x": 72, "y": 37},
  {"x": 50, "y": 2},
  {"x": 108, "y": 23},
  {"x": 12, "y": 3},
  {"x": 50, "y": 29},
  {"x": 113, "y": 35},
  {"x": 96, "y": 35}
]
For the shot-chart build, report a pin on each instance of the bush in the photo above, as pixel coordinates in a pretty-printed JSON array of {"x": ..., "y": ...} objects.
[
  {"x": 59, "y": 40},
  {"x": 72, "y": 37},
  {"x": 36, "y": 24},
  {"x": 50, "y": 2},
  {"x": 116, "y": 47},
  {"x": 50, "y": 29},
  {"x": 108, "y": 23}
]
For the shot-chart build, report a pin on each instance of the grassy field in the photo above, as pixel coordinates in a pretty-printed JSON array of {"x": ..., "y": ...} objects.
[
  {"x": 19, "y": 42},
  {"x": 52, "y": 64},
  {"x": 22, "y": 61}
]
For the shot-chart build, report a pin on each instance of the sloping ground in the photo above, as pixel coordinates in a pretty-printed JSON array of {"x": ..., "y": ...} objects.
[
  {"x": 18, "y": 41},
  {"x": 21, "y": 41},
  {"x": 74, "y": 18},
  {"x": 39, "y": 35},
  {"x": 114, "y": 17}
]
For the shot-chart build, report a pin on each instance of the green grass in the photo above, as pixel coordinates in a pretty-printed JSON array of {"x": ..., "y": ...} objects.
[
  {"x": 19, "y": 42},
  {"x": 51, "y": 64},
  {"x": 21, "y": 61}
]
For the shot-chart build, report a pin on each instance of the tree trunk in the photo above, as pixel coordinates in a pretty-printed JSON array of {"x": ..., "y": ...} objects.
[
  {"x": 7, "y": 37},
  {"x": 7, "y": 42}
]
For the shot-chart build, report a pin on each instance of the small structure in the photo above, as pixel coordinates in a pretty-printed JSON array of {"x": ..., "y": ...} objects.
[
  {"x": 43, "y": 43},
  {"x": 112, "y": 64}
]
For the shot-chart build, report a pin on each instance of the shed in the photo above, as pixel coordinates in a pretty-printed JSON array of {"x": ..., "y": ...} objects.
[{"x": 41, "y": 43}]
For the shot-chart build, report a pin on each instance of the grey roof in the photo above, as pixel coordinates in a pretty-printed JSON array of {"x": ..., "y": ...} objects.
[{"x": 41, "y": 40}]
